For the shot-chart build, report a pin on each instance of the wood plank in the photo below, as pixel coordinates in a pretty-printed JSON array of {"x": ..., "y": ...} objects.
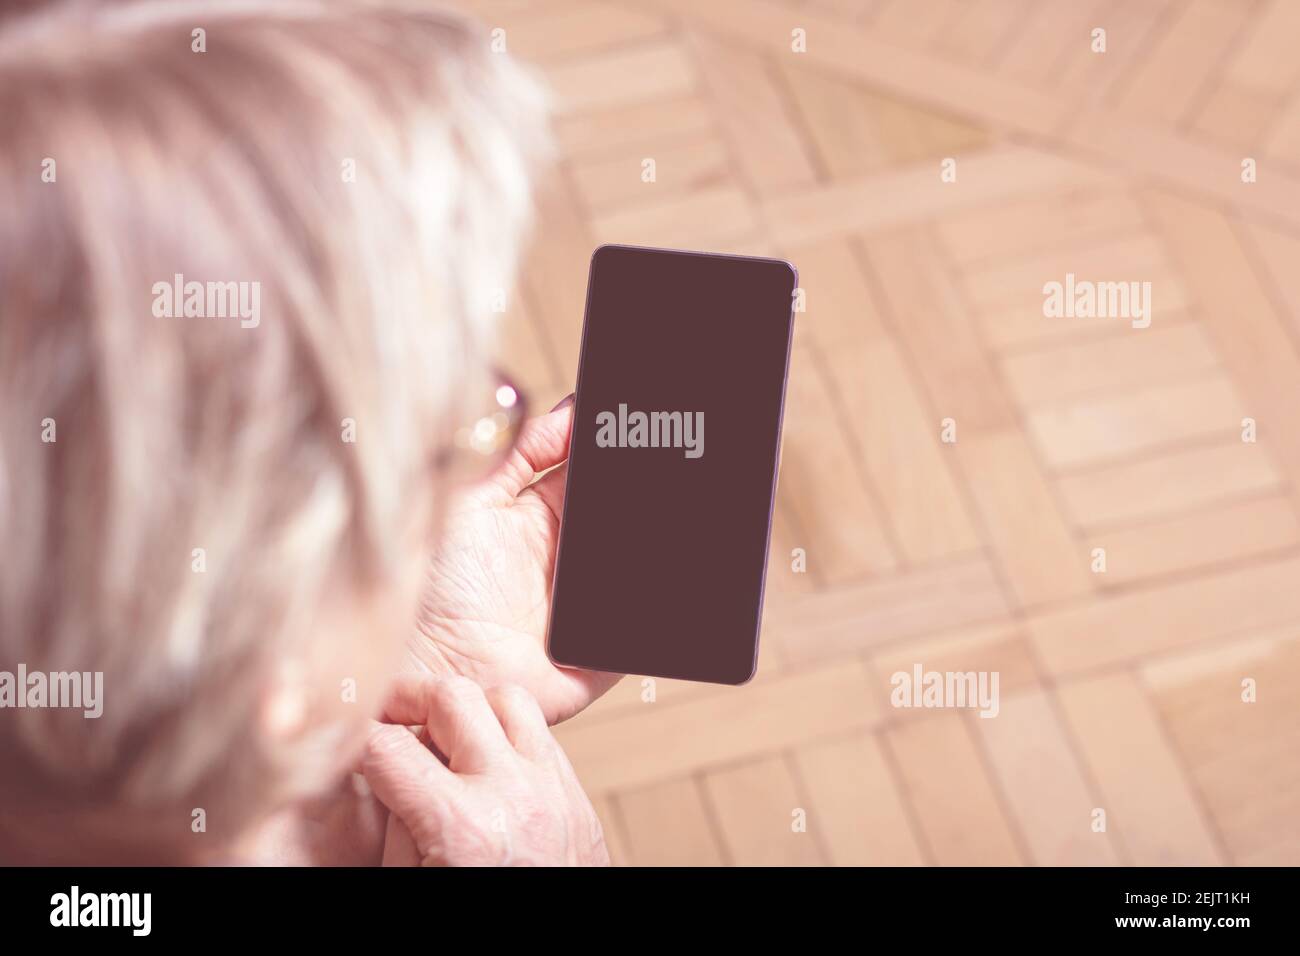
[
  {"x": 1265, "y": 62},
  {"x": 1114, "y": 364},
  {"x": 1000, "y": 646},
  {"x": 912, "y": 24},
  {"x": 1086, "y": 78},
  {"x": 856, "y": 130},
  {"x": 1283, "y": 141},
  {"x": 610, "y": 825},
  {"x": 1035, "y": 547},
  {"x": 782, "y": 578},
  {"x": 962, "y": 825},
  {"x": 1254, "y": 341},
  {"x": 897, "y": 445},
  {"x": 614, "y": 181},
  {"x": 754, "y": 805},
  {"x": 856, "y": 803},
  {"x": 1045, "y": 784},
  {"x": 720, "y": 219},
  {"x": 637, "y": 694},
  {"x": 1030, "y": 226},
  {"x": 1168, "y": 617},
  {"x": 621, "y": 77},
  {"x": 1168, "y": 675},
  {"x": 1144, "y": 150},
  {"x": 634, "y": 129},
  {"x": 839, "y": 306},
  {"x": 1279, "y": 252},
  {"x": 850, "y": 10},
  {"x": 491, "y": 9},
  {"x": 1095, "y": 430},
  {"x": 846, "y": 142},
  {"x": 555, "y": 275},
  {"x": 978, "y": 33},
  {"x": 640, "y": 694},
  {"x": 1051, "y": 33},
  {"x": 825, "y": 491},
  {"x": 1020, "y": 281},
  {"x": 667, "y": 824},
  {"x": 1240, "y": 755},
  {"x": 488, "y": 10},
  {"x": 926, "y": 311},
  {"x": 1148, "y": 801},
  {"x": 766, "y": 144},
  {"x": 1167, "y": 80},
  {"x": 844, "y": 620},
  {"x": 1196, "y": 541},
  {"x": 523, "y": 350},
  {"x": 555, "y": 31},
  {"x": 915, "y": 193},
  {"x": 1237, "y": 118},
  {"x": 1179, "y": 481},
  {"x": 752, "y": 721},
  {"x": 1025, "y": 328}
]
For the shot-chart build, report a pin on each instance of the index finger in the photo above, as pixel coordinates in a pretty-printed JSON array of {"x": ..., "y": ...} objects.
[
  {"x": 460, "y": 722},
  {"x": 543, "y": 444}
]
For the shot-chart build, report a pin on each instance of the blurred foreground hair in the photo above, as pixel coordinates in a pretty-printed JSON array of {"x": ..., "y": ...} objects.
[{"x": 206, "y": 509}]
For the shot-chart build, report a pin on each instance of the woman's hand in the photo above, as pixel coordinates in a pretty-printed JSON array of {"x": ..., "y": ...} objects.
[
  {"x": 487, "y": 592},
  {"x": 505, "y": 795}
]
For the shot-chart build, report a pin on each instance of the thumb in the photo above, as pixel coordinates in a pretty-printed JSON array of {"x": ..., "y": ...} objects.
[
  {"x": 551, "y": 489},
  {"x": 543, "y": 444}
]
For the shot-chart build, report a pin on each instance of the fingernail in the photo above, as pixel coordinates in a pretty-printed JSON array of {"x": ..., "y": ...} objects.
[{"x": 565, "y": 402}]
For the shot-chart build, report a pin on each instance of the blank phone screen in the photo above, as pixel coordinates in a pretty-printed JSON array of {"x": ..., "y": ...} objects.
[{"x": 672, "y": 466}]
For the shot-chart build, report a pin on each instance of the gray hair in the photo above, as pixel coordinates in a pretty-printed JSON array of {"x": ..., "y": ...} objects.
[{"x": 367, "y": 167}]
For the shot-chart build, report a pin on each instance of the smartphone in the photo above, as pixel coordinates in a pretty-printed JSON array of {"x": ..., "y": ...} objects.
[{"x": 672, "y": 467}]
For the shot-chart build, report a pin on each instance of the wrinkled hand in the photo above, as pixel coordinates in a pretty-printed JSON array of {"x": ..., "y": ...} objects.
[
  {"x": 506, "y": 794},
  {"x": 487, "y": 591}
]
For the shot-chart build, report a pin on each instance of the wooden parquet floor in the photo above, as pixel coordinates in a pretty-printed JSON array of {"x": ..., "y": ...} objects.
[{"x": 1120, "y": 691}]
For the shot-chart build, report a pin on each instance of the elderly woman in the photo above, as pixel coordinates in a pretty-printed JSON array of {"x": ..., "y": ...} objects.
[{"x": 247, "y": 259}]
